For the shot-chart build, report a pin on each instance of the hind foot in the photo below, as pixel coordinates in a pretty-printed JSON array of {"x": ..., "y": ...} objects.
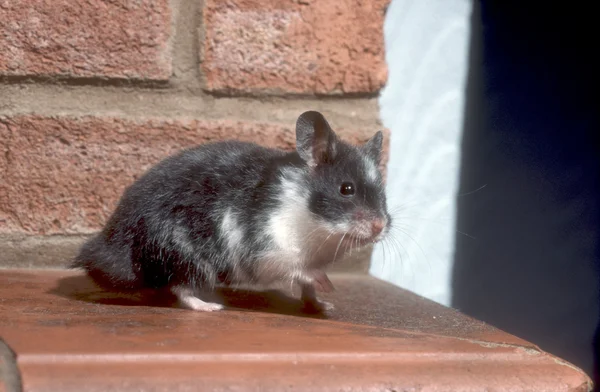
[
  {"x": 196, "y": 303},
  {"x": 317, "y": 305},
  {"x": 186, "y": 297}
]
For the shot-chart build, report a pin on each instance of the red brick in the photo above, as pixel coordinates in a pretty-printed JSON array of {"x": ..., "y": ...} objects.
[
  {"x": 70, "y": 336},
  {"x": 79, "y": 38},
  {"x": 291, "y": 46},
  {"x": 64, "y": 175}
]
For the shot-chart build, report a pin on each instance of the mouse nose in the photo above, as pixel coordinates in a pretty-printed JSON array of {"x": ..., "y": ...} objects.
[{"x": 377, "y": 226}]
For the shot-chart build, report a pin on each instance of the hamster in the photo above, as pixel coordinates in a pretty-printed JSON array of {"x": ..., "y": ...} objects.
[{"x": 239, "y": 213}]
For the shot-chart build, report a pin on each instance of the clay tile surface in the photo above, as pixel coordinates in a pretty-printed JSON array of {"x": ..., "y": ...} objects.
[{"x": 70, "y": 336}]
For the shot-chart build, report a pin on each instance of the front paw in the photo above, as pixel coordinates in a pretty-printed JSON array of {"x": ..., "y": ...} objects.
[{"x": 322, "y": 283}]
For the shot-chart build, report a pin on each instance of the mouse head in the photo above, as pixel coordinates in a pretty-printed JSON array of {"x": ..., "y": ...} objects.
[{"x": 345, "y": 186}]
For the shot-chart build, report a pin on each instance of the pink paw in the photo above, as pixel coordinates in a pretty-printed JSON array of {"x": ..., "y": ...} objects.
[{"x": 322, "y": 283}]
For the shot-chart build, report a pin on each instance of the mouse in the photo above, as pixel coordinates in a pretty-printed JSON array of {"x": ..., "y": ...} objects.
[{"x": 238, "y": 213}]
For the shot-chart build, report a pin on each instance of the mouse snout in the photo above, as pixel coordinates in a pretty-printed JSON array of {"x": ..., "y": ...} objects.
[{"x": 377, "y": 226}]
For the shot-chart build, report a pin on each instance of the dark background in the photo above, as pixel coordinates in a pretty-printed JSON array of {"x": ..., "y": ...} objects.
[{"x": 531, "y": 137}]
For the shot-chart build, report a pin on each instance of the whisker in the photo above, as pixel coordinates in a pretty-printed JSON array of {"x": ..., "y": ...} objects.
[
  {"x": 404, "y": 218},
  {"x": 323, "y": 243},
  {"x": 466, "y": 235},
  {"x": 355, "y": 245},
  {"x": 338, "y": 247},
  {"x": 386, "y": 252},
  {"x": 397, "y": 246},
  {"x": 471, "y": 192},
  {"x": 413, "y": 240}
]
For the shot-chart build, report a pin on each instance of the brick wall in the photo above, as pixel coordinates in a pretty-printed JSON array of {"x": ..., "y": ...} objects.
[{"x": 92, "y": 93}]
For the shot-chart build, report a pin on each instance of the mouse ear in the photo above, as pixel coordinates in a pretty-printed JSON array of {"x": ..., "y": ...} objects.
[
  {"x": 373, "y": 147},
  {"x": 316, "y": 142}
]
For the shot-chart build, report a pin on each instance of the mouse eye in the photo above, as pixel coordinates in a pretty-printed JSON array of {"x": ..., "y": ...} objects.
[{"x": 347, "y": 189}]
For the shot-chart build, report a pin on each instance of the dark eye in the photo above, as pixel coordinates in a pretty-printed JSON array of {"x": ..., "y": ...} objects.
[{"x": 347, "y": 189}]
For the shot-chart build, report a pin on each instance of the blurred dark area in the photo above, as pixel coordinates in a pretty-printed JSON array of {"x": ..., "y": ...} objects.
[{"x": 531, "y": 141}]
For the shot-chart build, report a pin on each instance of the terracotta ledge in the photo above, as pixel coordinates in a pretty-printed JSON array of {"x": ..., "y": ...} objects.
[{"x": 70, "y": 336}]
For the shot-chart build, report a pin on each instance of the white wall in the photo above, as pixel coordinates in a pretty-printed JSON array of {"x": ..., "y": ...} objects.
[{"x": 427, "y": 55}]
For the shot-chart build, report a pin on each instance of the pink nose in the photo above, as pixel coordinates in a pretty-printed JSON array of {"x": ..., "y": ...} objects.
[{"x": 377, "y": 226}]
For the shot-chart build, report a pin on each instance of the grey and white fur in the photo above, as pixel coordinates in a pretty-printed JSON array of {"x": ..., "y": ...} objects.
[{"x": 240, "y": 213}]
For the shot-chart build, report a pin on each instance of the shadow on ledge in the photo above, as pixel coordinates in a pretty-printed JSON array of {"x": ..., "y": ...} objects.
[{"x": 82, "y": 288}]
